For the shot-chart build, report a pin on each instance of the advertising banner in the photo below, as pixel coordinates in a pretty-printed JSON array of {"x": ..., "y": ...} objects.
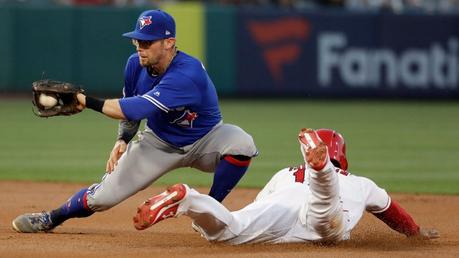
[{"x": 335, "y": 54}]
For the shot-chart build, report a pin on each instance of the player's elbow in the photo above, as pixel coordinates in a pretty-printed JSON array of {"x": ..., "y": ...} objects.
[{"x": 113, "y": 109}]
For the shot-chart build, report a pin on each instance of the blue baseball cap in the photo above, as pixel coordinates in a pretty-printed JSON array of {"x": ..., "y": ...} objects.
[{"x": 153, "y": 25}]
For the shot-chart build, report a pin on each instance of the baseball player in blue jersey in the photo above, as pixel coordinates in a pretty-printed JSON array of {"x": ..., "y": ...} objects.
[{"x": 184, "y": 127}]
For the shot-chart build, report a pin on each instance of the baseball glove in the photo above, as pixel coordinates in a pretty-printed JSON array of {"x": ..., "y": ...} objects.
[{"x": 55, "y": 98}]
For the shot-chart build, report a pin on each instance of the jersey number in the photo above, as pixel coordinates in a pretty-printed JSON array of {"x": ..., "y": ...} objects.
[{"x": 299, "y": 174}]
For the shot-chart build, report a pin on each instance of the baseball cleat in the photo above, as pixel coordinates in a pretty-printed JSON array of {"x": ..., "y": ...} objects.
[
  {"x": 33, "y": 223},
  {"x": 159, "y": 207},
  {"x": 314, "y": 151}
]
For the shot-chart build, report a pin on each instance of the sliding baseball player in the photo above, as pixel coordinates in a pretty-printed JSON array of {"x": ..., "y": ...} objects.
[{"x": 318, "y": 201}]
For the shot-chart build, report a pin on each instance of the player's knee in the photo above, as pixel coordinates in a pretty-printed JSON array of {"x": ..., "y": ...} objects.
[
  {"x": 248, "y": 142},
  {"x": 253, "y": 152},
  {"x": 243, "y": 147}
]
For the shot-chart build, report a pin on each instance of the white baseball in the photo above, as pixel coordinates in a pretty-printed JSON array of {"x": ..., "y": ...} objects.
[{"x": 47, "y": 101}]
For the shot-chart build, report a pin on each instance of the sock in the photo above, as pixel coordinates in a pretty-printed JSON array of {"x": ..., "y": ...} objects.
[
  {"x": 398, "y": 219},
  {"x": 75, "y": 207},
  {"x": 228, "y": 173}
]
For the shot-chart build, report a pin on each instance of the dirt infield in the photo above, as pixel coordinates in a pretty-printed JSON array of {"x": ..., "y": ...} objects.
[{"x": 111, "y": 234}]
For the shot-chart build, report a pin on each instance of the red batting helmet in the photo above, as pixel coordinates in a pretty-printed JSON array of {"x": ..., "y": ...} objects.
[{"x": 336, "y": 147}]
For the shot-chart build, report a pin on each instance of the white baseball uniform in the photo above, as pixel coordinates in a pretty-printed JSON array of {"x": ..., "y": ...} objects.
[{"x": 298, "y": 204}]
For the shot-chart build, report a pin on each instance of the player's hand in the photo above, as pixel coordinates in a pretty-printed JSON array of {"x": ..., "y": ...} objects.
[
  {"x": 115, "y": 155},
  {"x": 429, "y": 233},
  {"x": 82, "y": 101}
]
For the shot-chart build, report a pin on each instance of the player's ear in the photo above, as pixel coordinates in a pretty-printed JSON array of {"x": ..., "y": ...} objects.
[{"x": 170, "y": 43}]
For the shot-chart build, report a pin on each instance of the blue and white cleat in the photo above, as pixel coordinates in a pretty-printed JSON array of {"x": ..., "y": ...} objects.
[{"x": 33, "y": 223}]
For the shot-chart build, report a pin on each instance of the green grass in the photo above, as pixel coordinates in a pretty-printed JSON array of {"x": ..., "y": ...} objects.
[{"x": 403, "y": 146}]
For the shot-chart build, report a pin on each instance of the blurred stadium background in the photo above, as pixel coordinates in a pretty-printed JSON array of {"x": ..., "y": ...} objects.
[{"x": 385, "y": 73}]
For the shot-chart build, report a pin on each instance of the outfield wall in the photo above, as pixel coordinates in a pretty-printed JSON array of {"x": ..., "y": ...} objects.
[
  {"x": 81, "y": 45},
  {"x": 248, "y": 52}
]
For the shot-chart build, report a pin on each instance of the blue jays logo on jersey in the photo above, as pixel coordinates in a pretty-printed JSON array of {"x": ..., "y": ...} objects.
[
  {"x": 144, "y": 21},
  {"x": 185, "y": 118}
]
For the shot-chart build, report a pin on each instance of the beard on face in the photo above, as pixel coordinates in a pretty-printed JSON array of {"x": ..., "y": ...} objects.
[{"x": 151, "y": 61}]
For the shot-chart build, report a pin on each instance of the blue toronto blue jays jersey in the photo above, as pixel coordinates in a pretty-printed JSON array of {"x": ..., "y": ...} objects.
[{"x": 181, "y": 105}]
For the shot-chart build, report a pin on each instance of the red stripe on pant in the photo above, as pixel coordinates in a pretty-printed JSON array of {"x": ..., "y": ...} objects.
[
  {"x": 85, "y": 201},
  {"x": 236, "y": 162}
]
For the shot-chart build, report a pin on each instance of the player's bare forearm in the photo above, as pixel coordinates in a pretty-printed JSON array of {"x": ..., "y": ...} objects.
[{"x": 110, "y": 108}]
